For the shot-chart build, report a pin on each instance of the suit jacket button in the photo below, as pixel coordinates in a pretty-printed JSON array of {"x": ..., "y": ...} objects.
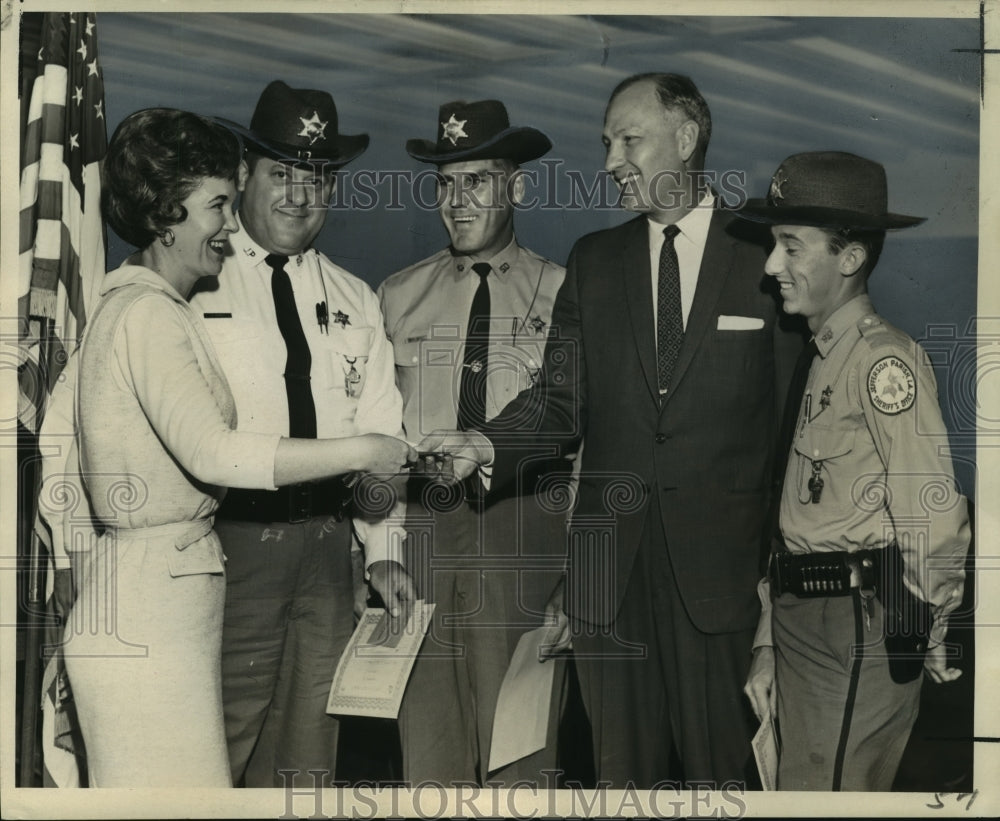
[{"x": 661, "y": 438}]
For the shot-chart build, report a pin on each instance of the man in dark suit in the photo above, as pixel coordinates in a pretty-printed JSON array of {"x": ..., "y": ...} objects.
[{"x": 667, "y": 359}]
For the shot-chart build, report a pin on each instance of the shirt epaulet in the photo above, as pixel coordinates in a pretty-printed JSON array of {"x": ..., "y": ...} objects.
[
  {"x": 544, "y": 262},
  {"x": 428, "y": 263},
  {"x": 878, "y": 333}
]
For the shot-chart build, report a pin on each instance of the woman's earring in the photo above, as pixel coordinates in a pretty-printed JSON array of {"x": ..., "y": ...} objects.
[{"x": 167, "y": 238}]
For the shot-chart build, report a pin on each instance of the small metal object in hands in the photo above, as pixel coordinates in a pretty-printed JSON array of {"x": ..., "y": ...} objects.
[{"x": 432, "y": 464}]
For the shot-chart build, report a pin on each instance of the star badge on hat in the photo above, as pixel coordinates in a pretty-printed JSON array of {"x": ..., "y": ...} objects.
[
  {"x": 478, "y": 131},
  {"x": 314, "y": 128},
  {"x": 298, "y": 125},
  {"x": 774, "y": 194},
  {"x": 454, "y": 130},
  {"x": 828, "y": 189}
]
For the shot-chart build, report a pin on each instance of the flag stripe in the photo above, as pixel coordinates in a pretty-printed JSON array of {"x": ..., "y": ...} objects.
[
  {"x": 28, "y": 233},
  {"x": 54, "y": 124},
  {"x": 49, "y": 205},
  {"x": 61, "y": 240},
  {"x": 54, "y": 85},
  {"x": 32, "y": 143}
]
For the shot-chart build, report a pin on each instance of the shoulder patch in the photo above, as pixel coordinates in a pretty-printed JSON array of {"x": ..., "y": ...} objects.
[{"x": 892, "y": 388}]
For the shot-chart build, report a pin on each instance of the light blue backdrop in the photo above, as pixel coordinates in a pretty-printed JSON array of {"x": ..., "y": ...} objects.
[{"x": 893, "y": 90}]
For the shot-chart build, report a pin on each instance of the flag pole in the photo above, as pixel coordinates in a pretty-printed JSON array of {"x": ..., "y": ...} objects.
[
  {"x": 32, "y": 697},
  {"x": 31, "y": 547}
]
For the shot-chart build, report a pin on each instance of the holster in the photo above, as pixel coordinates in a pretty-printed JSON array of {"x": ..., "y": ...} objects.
[{"x": 908, "y": 619}]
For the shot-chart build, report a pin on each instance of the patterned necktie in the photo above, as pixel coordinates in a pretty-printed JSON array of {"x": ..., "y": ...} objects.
[
  {"x": 472, "y": 386},
  {"x": 301, "y": 409},
  {"x": 789, "y": 422},
  {"x": 669, "y": 320}
]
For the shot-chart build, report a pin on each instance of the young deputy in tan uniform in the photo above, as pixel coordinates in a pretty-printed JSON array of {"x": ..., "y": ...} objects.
[{"x": 868, "y": 479}]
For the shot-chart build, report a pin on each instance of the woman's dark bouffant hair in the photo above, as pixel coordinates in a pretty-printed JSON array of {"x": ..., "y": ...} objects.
[{"x": 155, "y": 159}]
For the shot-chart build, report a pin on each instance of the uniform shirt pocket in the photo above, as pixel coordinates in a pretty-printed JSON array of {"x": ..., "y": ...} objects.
[
  {"x": 513, "y": 368},
  {"x": 428, "y": 373},
  {"x": 818, "y": 451},
  {"x": 235, "y": 340},
  {"x": 407, "y": 354},
  {"x": 342, "y": 358}
]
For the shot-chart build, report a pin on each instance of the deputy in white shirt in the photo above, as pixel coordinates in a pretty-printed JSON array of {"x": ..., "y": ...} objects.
[{"x": 302, "y": 344}]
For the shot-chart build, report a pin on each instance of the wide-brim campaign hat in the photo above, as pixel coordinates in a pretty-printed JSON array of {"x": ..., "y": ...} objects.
[
  {"x": 298, "y": 124},
  {"x": 478, "y": 131},
  {"x": 827, "y": 189}
]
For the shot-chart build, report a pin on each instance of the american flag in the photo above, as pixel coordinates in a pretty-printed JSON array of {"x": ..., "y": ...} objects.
[
  {"x": 61, "y": 233},
  {"x": 64, "y": 139}
]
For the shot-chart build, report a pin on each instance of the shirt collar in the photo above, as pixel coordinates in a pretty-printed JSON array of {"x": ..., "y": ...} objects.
[
  {"x": 245, "y": 246},
  {"x": 133, "y": 274},
  {"x": 693, "y": 226},
  {"x": 845, "y": 317},
  {"x": 501, "y": 264}
]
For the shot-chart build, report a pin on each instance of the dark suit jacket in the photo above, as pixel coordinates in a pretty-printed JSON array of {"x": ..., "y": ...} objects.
[{"x": 707, "y": 452}]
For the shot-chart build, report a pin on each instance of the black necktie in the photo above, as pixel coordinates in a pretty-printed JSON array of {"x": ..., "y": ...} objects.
[
  {"x": 789, "y": 421},
  {"x": 301, "y": 409},
  {"x": 472, "y": 386},
  {"x": 669, "y": 319}
]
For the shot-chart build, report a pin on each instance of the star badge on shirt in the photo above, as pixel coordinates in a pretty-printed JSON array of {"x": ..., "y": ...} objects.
[
  {"x": 454, "y": 129},
  {"x": 342, "y": 319},
  {"x": 824, "y": 400},
  {"x": 537, "y": 324}
]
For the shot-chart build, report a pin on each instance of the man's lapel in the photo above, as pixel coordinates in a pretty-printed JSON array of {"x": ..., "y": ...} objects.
[{"x": 716, "y": 265}]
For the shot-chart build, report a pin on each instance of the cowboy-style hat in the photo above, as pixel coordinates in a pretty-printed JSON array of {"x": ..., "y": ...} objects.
[
  {"x": 827, "y": 189},
  {"x": 298, "y": 124},
  {"x": 478, "y": 131}
]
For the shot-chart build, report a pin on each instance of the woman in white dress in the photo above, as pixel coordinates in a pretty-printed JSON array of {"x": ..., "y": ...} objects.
[{"x": 157, "y": 444}]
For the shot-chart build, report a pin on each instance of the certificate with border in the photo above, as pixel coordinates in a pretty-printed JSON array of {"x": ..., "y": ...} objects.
[{"x": 372, "y": 673}]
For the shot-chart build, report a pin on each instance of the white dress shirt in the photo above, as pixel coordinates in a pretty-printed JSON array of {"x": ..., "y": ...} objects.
[
  {"x": 240, "y": 318},
  {"x": 690, "y": 247}
]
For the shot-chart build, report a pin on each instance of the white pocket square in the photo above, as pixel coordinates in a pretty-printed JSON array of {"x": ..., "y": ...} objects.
[{"x": 740, "y": 323}]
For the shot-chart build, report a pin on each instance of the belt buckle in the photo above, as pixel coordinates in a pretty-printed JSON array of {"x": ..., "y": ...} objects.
[{"x": 299, "y": 503}]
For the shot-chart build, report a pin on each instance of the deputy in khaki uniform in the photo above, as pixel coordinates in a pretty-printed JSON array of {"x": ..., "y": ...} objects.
[
  {"x": 468, "y": 326},
  {"x": 870, "y": 521}
]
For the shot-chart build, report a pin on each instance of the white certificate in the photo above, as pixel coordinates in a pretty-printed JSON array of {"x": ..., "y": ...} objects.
[
  {"x": 765, "y": 751},
  {"x": 372, "y": 673}
]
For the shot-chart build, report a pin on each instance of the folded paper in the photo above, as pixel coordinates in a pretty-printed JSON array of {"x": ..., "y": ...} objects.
[{"x": 522, "y": 714}]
